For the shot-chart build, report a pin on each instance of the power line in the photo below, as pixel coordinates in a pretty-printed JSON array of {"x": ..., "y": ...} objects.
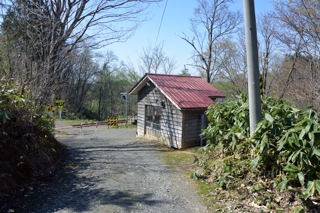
[{"x": 164, "y": 10}]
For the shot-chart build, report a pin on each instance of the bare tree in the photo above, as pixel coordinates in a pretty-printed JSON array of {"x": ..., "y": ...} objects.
[
  {"x": 232, "y": 66},
  {"x": 50, "y": 30},
  {"x": 267, "y": 31},
  {"x": 213, "y": 20},
  {"x": 299, "y": 31},
  {"x": 154, "y": 60},
  {"x": 78, "y": 79},
  {"x": 131, "y": 74},
  {"x": 168, "y": 65}
]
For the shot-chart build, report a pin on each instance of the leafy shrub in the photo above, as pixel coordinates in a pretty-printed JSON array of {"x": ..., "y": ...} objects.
[
  {"x": 284, "y": 147},
  {"x": 44, "y": 121},
  {"x": 287, "y": 142},
  {"x": 27, "y": 146},
  {"x": 15, "y": 105},
  {"x": 228, "y": 125},
  {"x": 10, "y": 98}
]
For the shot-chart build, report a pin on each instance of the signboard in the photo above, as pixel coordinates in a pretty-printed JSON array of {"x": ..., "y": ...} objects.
[
  {"x": 60, "y": 103},
  {"x": 113, "y": 121},
  {"x": 50, "y": 108}
]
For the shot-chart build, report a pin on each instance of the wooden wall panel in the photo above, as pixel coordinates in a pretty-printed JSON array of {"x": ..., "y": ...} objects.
[
  {"x": 171, "y": 125},
  {"x": 171, "y": 116},
  {"x": 192, "y": 127}
]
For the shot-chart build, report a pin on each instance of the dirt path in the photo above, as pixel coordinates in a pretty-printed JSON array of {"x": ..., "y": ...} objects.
[{"x": 110, "y": 170}]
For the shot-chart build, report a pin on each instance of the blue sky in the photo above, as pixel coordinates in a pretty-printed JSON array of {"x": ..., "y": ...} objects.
[{"x": 175, "y": 22}]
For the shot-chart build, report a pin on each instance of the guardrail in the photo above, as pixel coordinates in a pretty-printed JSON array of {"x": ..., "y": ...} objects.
[
  {"x": 113, "y": 122},
  {"x": 89, "y": 124}
]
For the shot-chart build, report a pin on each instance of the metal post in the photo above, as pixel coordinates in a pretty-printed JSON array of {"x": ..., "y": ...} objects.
[
  {"x": 202, "y": 126},
  {"x": 125, "y": 96},
  {"x": 52, "y": 98},
  {"x": 126, "y": 108},
  {"x": 60, "y": 120},
  {"x": 253, "y": 64}
]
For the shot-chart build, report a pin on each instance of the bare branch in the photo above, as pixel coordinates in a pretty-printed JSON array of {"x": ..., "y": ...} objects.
[{"x": 212, "y": 21}]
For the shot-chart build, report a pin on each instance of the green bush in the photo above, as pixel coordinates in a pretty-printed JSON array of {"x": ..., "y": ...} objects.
[
  {"x": 14, "y": 105},
  {"x": 10, "y": 98},
  {"x": 228, "y": 125},
  {"x": 284, "y": 147},
  {"x": 27, "y": 146},
  {"x": 287, "y": 142}
]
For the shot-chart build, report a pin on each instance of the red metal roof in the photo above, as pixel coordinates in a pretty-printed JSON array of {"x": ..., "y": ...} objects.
[{"x": 186, "y": 92}]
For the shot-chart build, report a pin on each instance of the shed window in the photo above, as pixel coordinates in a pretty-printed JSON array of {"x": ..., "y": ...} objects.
[{"x": 153, "y": 114}]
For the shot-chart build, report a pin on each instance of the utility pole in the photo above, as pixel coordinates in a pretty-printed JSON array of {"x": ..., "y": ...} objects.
[
  {"x": 125, "y": 97},
  {"x": 253, "y": 64}
]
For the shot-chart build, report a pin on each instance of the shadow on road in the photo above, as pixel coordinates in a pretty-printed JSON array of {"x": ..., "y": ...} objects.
[{"x": 89, "y": 179}]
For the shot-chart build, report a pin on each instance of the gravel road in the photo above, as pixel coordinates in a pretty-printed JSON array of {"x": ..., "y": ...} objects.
[{"x": 110, "y": 170}]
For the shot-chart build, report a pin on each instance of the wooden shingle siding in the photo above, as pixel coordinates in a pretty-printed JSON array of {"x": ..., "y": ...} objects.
[
  {"x": 171, "y": 117},
  {"x": 171, "y": 125},
  {"x": 192, "y": 127}
]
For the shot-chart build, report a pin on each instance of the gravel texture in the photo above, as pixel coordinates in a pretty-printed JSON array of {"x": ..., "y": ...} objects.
[{"x": 110, "y": 170}]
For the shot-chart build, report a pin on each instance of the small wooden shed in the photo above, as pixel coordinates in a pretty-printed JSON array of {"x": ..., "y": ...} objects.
[{"x": 171, "y": 108}]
